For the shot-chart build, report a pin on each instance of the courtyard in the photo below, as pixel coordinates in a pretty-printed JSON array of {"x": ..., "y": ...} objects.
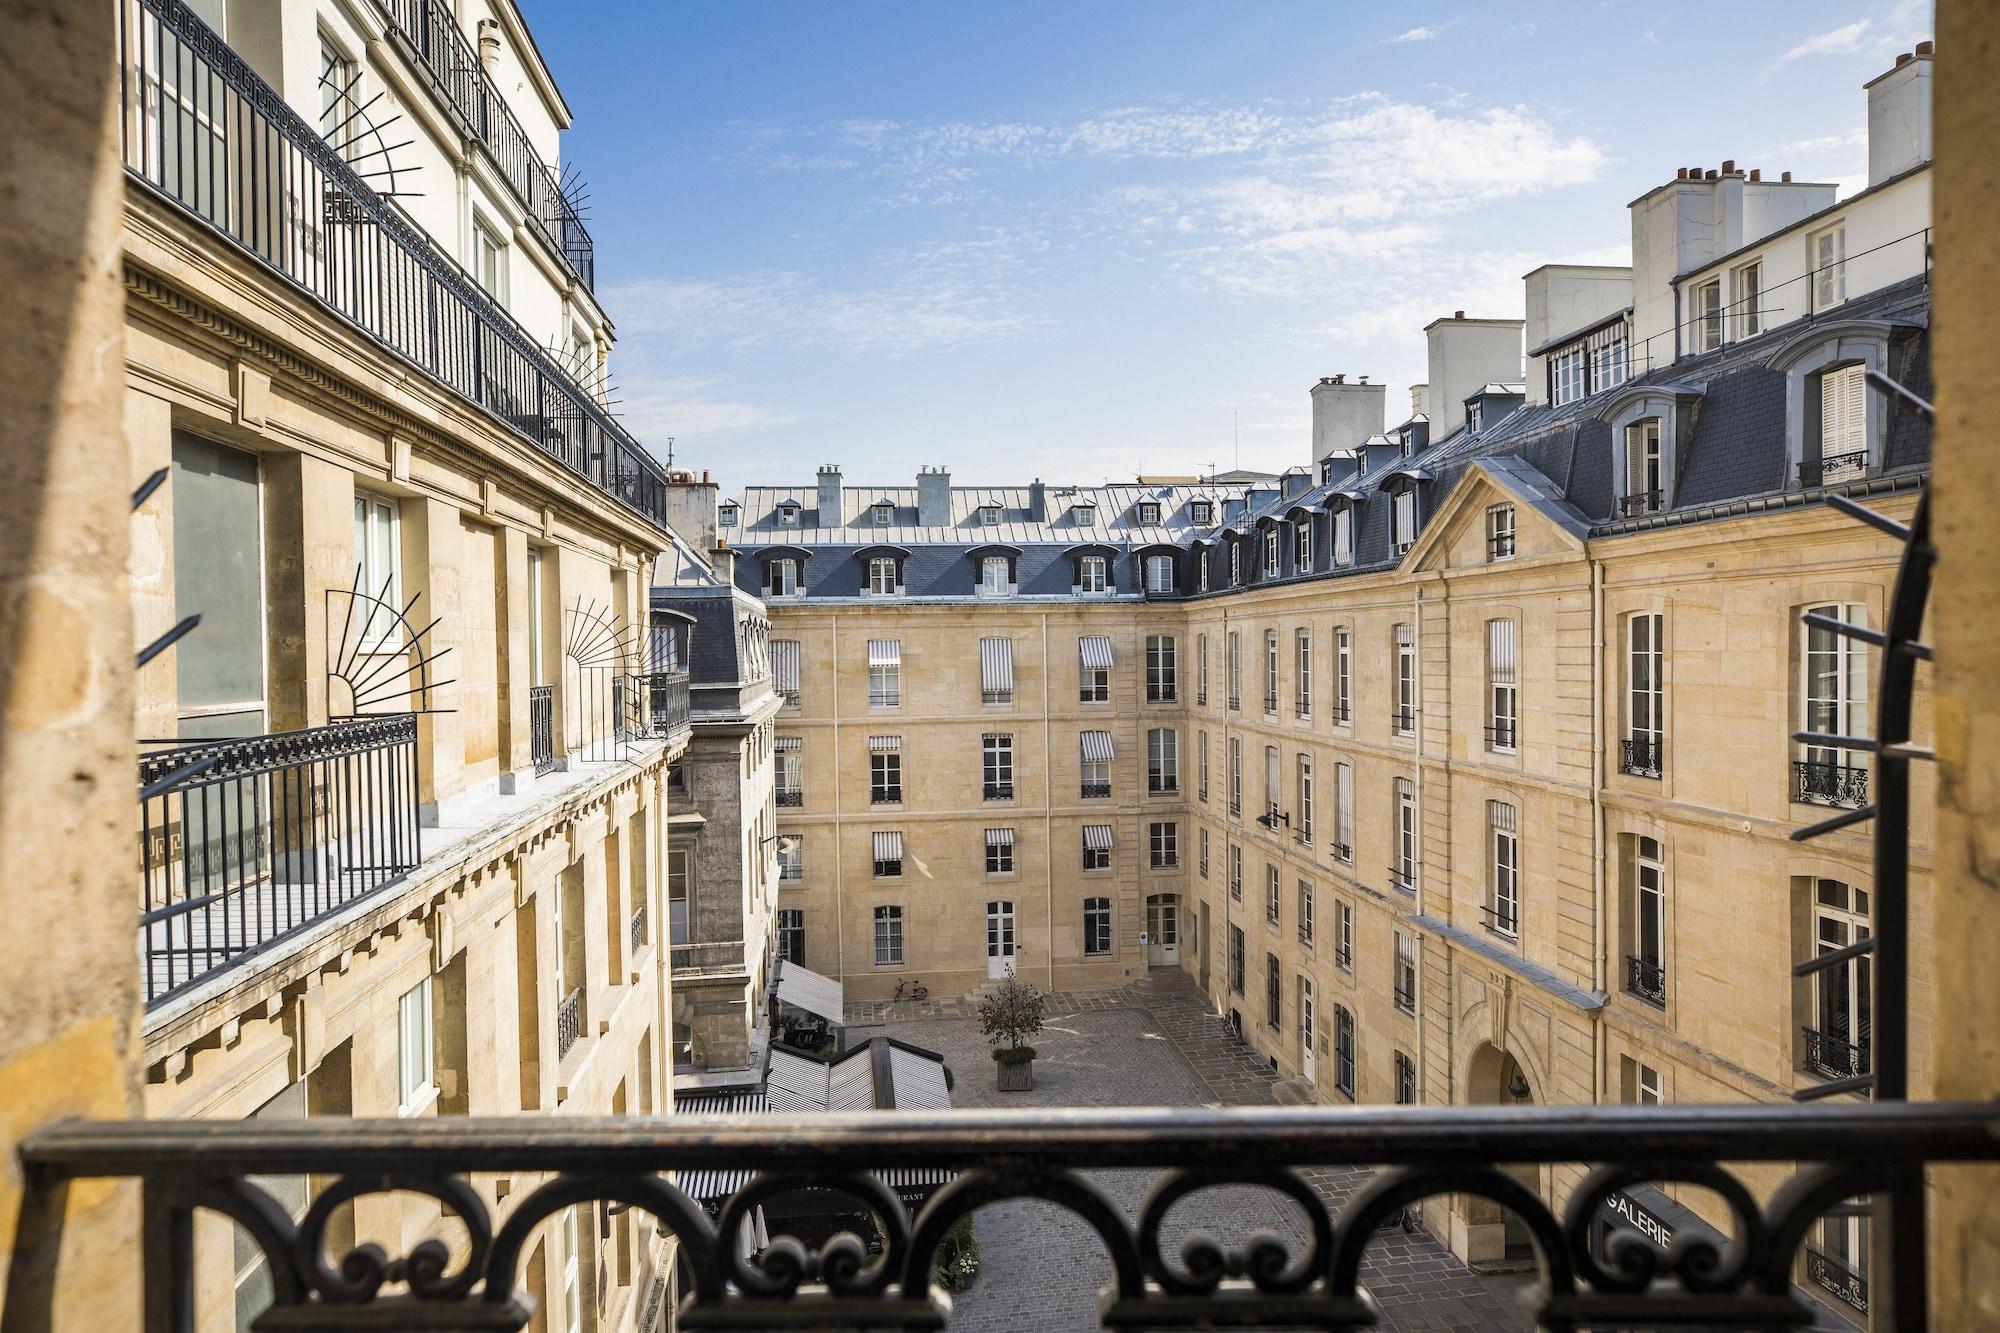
[{"x": 1154, "y": 1044}]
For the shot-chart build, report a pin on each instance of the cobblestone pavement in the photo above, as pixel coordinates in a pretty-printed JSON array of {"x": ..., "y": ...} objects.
[{"x": 1150, "y": 1045}]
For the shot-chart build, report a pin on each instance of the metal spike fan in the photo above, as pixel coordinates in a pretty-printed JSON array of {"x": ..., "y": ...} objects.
[
  {"x": 376, "y": 654},
  {"x": 356, "y": 130}
]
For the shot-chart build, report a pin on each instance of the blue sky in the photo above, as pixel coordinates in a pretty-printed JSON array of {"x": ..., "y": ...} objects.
[{"x": 1080, "y": 240}]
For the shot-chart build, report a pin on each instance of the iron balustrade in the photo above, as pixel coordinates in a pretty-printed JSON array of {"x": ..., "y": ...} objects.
[
  {"x": 428, "y": 33},
  {"x": 1270, "y": 701},
  {"x": 1162, "y": 784},
  {"x": 1815, "y": 783},
  {"x": 1342, "y": 851},
  {"x": 1302, "y": 709},
  {"x": 1832, "y": 1055},
  {"x": 791, "y": 797},
  {"x": 201, "y": 129},
  {"x": 1501, "y": 736},
  {"x": 1095, "y": 791},
  {"x": 1646, "y": 979},
  {"x": 1406, "y": 997},
  {"x": 1343, "y": 958},
  {"x": 1500, "y": 545},
  {"x": 636, "y": 930},
  {"x": 1403, "y": 721},
  {"x": 243, "y": 842},
  {"x": 542, "y": 727},
  {"x": 668, "y": 701},
  {"x": 569, "y": 1021},
  {"x": 998, "y": 791},
  {"x": 1640, "y": 502},
  {"x": 887, "y": 794},
  {"x": 1833, "y": 468},
  {"x": 1402, "y": 881},
  {"x": 1235, "y": 703},
  {"x": 1502, "y": 920},
  {"x": 1642, "y": 756},
  {"x": 1831, "y": 1275},
  {"x": 1341, "y": 715}
]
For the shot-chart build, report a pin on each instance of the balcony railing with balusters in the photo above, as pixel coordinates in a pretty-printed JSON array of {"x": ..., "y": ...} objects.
[
  {"x": 569, "y": 1021},
  {"x": 542, "y": 727},
  {"x": 1646, "y": 979},
  {"x": 791, "y": 797},
  {"x": 668, "y": 701},
  {"x": 1642, "y": 756},
  {"x": 1832, "y": 1055},
  {"x": 636, "y": 930},
  {"x": 1640, "y": 502},
  {"x": 1834, "y": 468},
  {"x": 1815, "y": 783}
]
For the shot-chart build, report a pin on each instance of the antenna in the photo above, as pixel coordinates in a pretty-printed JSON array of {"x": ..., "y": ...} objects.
[
  {"x": 670, "y": 451},
  {"x": 1236, "y": 431}
]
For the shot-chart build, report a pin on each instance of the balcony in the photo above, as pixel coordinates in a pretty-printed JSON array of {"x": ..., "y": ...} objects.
[
  {"x": 1640, "y": 502},
  {"x": 1502, "y": 736},
  {"x": 205, "y": 133},
  {"x": 243, "y": 842},
  {"x": 1831, "y": 1055},
  {"x": 667, "y": 702},
  {"x": 1095, "y": 791},
  {"x": 1403, "y": 721},
  {"x": 569, "y": 1022},
  {"x": 636, "y": 930},
  {"x": 1834, "y": 469},
  {"x": 1647, "y": 980},
  {"x": 791, "y": 798},
  {"x": 542, "y": 727},
  {"x": 1504, "y": 919},
  {"x": 1401, "y": 880},
  {"x": 1642, "y": 756},
  {"x": 997, "y": 791},
  {"x": 1836, "y": 1278},
  {"x": 1816, "y": 783}
]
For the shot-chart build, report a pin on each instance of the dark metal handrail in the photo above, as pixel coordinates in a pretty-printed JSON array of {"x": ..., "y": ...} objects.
[
  {"x": 1642, "y": 756},
  {"x": 205, "y": 132},
  {"x": 1832, "y": 1055},
  {"x": 637, "y": 929},
  {"x": 1401, "y": 880},
  {"x": 1639, "y": 502},
  {"x": 1833, "y": 468},
  {"x": 1647, "y": 980},
  {"x": 1093, "y": 791},
  {"x": 887, "y": 794},
  {"x": 243, "y": 842},
  {"x": 1343, "y": 851},
  {"x": 669, "y": 701},
  {"x": 1403, "y": 721},
  {"x": 997, "y": 791},
  {"x": 1502, "y": 736},
  {"x": 542, "y": 727},
  {"x": 1816, "y": 783},
  {"x": 1831, "y": 1275},
  {"x": 791, "y": 796},
  {"x": 569, "y": 1021},
  {"x": 1503, "y": 920}
]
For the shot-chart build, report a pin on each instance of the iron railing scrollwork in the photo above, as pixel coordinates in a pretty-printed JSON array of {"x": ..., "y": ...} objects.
[
  {"x": 1647, "y": 980},
  {"x": 1831, "y": 1275},
  {"x": 791, "y": 797},
  {"x": 1833, "y": 1055},
  {"x": 1094, "y": 791},
  {"x": 1642, "y": 756},
  {"x": 1833, "y": 469},
  {"x": 637, "y": 929},
  {"x": 569, "y": 1021},
  {"x": 1815, "y": 783}
]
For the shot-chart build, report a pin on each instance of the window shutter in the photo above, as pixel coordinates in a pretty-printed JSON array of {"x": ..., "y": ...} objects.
[{"x": 996, "y": 665}]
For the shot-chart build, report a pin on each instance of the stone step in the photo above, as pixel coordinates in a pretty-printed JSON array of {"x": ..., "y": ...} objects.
[{"x": 1292, "y": 1092}]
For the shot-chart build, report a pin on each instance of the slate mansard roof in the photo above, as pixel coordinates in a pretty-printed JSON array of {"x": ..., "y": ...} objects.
[{"x": 1730, "y": 456}]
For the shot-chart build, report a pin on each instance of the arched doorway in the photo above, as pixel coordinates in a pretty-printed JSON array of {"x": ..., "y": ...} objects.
[{"x": 1493, "y": 1234}]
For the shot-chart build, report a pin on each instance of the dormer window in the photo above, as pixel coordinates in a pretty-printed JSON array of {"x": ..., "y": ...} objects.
[
  {"x": 1092, "y": 575},
  {"x": 1343, "y": 536},
  {"x": 884, "y": 512},
  {"x": 1403, "y": 519},
  {"x": 1566, "y": 376},
  {"x": 1706, "y": 324},
  {"x": 1643, "y": 470},
  {"x": 781, "y": 577},
  {"x": 1201, "y": 569},
  {"x": 1302, "y": 538},
  {"x": 1083, "y": 511},
  {"x": 725, "y": 516},
  {"x": 1235, "y": 563},
  {"x": 788, "y": 514},
  {"x": 1149, "y": 511},
  {"x": 989, "y": 516},
  {"x": 1474, "y": 413},
  {"x": 1843, "y": 424},
  {"x": 1271, "y": 567},
  {"x": 996, "y": 576},
  {"x": 1201, "y": 511},
  {"x": 1159, "y": 573},
  {"x": 885, "y": 576}
]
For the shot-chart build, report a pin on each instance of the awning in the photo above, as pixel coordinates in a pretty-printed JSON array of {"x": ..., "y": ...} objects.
[
  {"x": 785, "y": 665},
  {"x": 1095, "y": 650},
  {"x": 885, "y": 652},
  {"x": 999, "y": 837},
  {"x": 888, "y": 846},
  {"x": 803, "y": 989},
  {"x": 1096, "y": 747},
  {"x": 1500, "y": 651},
  {"x": 996, "y": 664},
  {"x": 789, "y": 743},
  {"x": 1097, "y": 837},
  {"x": 881, "y": 744}
]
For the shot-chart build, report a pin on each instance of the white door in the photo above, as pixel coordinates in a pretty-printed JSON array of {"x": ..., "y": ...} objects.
[
  {"x": 999, "y": 939},
  {"x": 1308, "y": 1033},
  {"x": 1163, "y": 929}
]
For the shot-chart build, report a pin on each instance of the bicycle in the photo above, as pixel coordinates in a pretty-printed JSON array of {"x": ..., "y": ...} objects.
[{"x": 912, "y": 989}]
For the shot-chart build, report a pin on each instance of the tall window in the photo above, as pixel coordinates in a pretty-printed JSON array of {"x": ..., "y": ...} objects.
[
  {"x": 996, "y": 671},
  {"x": 677, "y": 895},
  {"x": 1201, "y": 863},
  {"x": 1566, "y": 376},
  {"x": 1201, "y": 669},
  {"x": 888, "y": 937},
  {"x": 1645, "y": 963},
  {"x": 1270, "y": 671},
  {"x": 999, "y": 851},
  {"x": 1749, "y": 300},
  {"x": 885, "y": 770},
  {"x": 416, "y": 1079},
  {"x": 1343, "y": 676},
  {"x": 219, "y": 670},
  {"x": 1843, "y": 423},
  {"x": 1406, "y": 680},
  {"x": 1639, "y": 1084},
  {"x": 1095, "y": 752},
  {"x": 1160, "y": 573},
  {"x": 1097, "y": 847},
  {"x": 1161, "y": 669},
  {"x": 1271, "y": 792},
  {"x": 1233, "y": 669},
  {"x": 1406, "y": 972},
  {"x": 789, "y": 765},
  {"x": 885, "y": 673},
  {"x": 1236, "y": 871},
  {"x": 1201, "y": 569},
  {"x": 785, "y": 670},
  {"x": 1092, "y": 574},
  {"x": 1406, "y": 1080},
  {"x": 1272, "y": 565},
  {"x": 1306, "y": 913},
  {"x": 1235, "y": 562},
  {"x": 1705, "y": 328},
  {"x": 996, "y": 576},
  {"x": 781, "y": 577},
  {"x": 792, "y": 858},
  {"x": 1236, "y": 959},
  {"x": 1343, "y": 935},
  {"x": 1201, "y": 792},
  {"x": 1403, "y": 874},
  {"x": 1273, "y": 991},
  {"x": 1343, "y": 1051},
  {"x": 1164, "y": 843},
  {"x": 996, "y": 764},
  {"x": 1163, "y": 760},
  {"x": 792, "y": 935},
  {"x": 1644, "y": 486},
  {"x": 1271, "y": 906},
  {"x": 1094, "y": 669},
  {"x": 489, "y": 261},
  {"x": 888, "y": 854},
  {"x": 1302, "y": 665},
  {"x": 1096, "y": 926},
  {"x": 1838, "y": 1042},
  {"x": 1343, "y": 812},
  {"x": 1645, "y": 699},
  {"x": 339, "y": 95},
  {"x": 1829, "y": 258},
  {"x": 1609, "y": 359},
  {"x": 1835, "y": 698},
  {"x": 1503, "y": 906},
  {"x": 1502, "y": 693},
  {"x": 1302, "y": 546},
  {"x": 1305, "y": 781},
  {"x": 375, "y": 554},
  {"x": 1403, "y": 519},
  {"x": 1235, "y": 775},
  {"x": 884, "y": 576},
  {"x": 1343, "y": 535},
  {"x": 1499, "y": 532}
]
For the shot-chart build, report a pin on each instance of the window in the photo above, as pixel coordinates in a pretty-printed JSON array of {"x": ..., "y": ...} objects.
[
  {"x": 1749, "y": 300},
  {"x": 885, "y": 576},
  {"x": 1201, "y": 569},
  {"x": 1645, "y": 665},
  {"x": 792, "y": 858},
  {"x": 1403, "y": 874},
  {"x": 999, "y": 851},
  {"x": 1403, "y": 519},
  {"x": 789, "y": 768},
  {"x": 1201, "y": 669},
  {"x": 1273, "y": 993},
  {"x": 1083, "y": 511},
  {"x": 1236, "y": 959},
  {"x": 996, "y": 576},
  {"x": 1608, "y": 361},
  {"x": 1271, "y": 894},
  {"x": 1235, "y": 776},
  {"x": 1160, "y": 668},
  {"x": 1271, "y": 792},
  {"x": 1566, "y": 376},
  {"x": 1091, "y": 575},
  {"x": 1343, "y": 676},
  {"x": 1235, "y": 563},
  {"x": 677, "y": 895},
  {"x": 1499, "y": 531},
  {"x": 1302, "y": 668},
  {"x": 1343, "y": 935},
  {"x": 1705, "y": 324},
  {"x": 1096, "y": 926},
  {"x": 996, "y": 766},
  {"x": 1302, "y": 546},
  {"x": 1163, "y": 837},
  {"x": 1306, "y": 913},
  {"x": 1643, "y": 478},
  {"x": 415, "y": 1050},
  {"x": 888, "y": 855},
  {"x": 885, "y": 673},
  {"x": 1160, "y": 573},
  {"x": 1406, "y": 1080},
  {"x": 1343, "y": 812},
  {"x": 1835, "y": 698},
  {"x": 1097, "y": 844},
  {"x": 1236, "y": 872},
  {"x": 888, "y": 937},
  {"x": 1094, "y": 669},
  {"x": 785, "y": 670},
  {"x": 1270, "y": 671},
  {"x": 1149, "y": 511},
  {"x": 884, "y": 512},
  {"x": 1503, "y": 905},
  {"x": 1406, "y": 972},
  {"x": 792, "y": 935},
  {"x": 1829, "y": 261},
  {"x": 726, "y": 516},
  {"x": 339, "y": 95},
  {"x": 1406, "y": 680},
  {"x": 1201, "y": 511},
  {"x": 885, "y": 770},
  {"x": 1305, "y": 804},
  {"x": 1201, "y": 792},
  {"x": 1233, "y": 669},
  {"x": 1502, "y": 693},
  {"x": 788, "y": 514},
  {"x": 989, "y": 516},
  {"x": 1838, "y": 1040},
  {"x": 1163, "y": 760},
  {"x": 378, "y": 566},
  {"x": 1343, "y": 535},
  {"x": 489, "y": 261},
  {"x": 1343, "y": 1051},
  {"x": 781, "y": 577},
  {"x": 996, "y": 671},
  {"x": 1645, "y": 961},
  {"x": 1843, "y": 424},
  {"x": 1202, "y": 864},
  {"x": 1095, "y": 753},
  {"x": 1272, "y": 565}
]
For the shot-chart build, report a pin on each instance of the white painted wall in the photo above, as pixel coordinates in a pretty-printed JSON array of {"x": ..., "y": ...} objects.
[
  {"x": 1562, "y": 298},
  {"x": 1464, "y": 354}
]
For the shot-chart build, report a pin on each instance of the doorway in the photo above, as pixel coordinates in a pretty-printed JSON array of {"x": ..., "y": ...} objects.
[
  {"x": 999, "y": 939},
  {"x": 1163, "y": 930}
]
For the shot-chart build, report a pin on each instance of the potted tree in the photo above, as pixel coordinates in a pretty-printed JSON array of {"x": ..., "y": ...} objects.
[{"x": 1007, "y": 1018}]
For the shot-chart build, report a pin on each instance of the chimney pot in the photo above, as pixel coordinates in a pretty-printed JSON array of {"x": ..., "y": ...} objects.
[
  {"x": 1786, "y": 177},
  {"x": 1756, "y": 173},
  {"x": 1729, "y": 166},
  {"x": 1709, "y": 174},
  {"x": 1681, "y": 175},
  {"x": 1364, "y": 379},
  {"x": 1904, "y": 59},
  {"x": 1926, "y": 48},
  {"x": 1458, "y": 314}
]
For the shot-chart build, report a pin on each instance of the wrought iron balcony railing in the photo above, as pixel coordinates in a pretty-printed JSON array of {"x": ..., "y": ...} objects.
[
  {"x": 1161, "y": 692},
  {"x": 1094, "y": 791},
  {"x": 1640, "y": 502},
  {"x": 1402, "y": 721},
  {"x": 668, "y": 702},
  {"x": 1647, "y": 980},
  {"x": 1642, "y": 756},
  {"x": 1502, "y": 736},
  {"x": 1500, "y": 546},
  {"x": 1270, "y": 701},
  {"x": 636, "y": 929},
  {"x": 1416, "y": 1153},
  {"x": 569, "y": 1021},
  {"x": 542, "y": 727},
  {"x": 1504, "y": 919},
  {"x": 1832, "y": 1055},
  {"x": 1406, "y": 996},
  {"x": 1341, "y": 714},
  {"x": 205, "y": 132},
  {"x": 242, "y": 842},
  {"x": 890, "y": 794},
  {"x": 997, "y": 791},
  {"x": 1816, "y": 783},
  {"x": 791, "y": 797},
  {"x": 1831, "y": 1275},
  {"x": 1401, "y": 880},
  {"x": 1833, "y": 469}
]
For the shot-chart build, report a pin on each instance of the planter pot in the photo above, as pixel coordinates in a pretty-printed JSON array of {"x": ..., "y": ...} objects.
[{"x": 1017, "y": 1077}]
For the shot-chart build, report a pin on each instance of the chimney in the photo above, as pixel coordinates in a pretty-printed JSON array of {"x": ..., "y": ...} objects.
[
  {"x": 691, "y": 507},
  {"x": 1336, "y": 468},
  {"x": 933, "y": 497},
  {"x": 489, "y": 43},
  {"x": 1038, "y": 501},
  {"x": 1464, "y": 354},
  {"x": 722, "y": 559},
  {"x": 1899, "y": 116},
  {"x": 1344, "y": 414},
  {"x": 830, "y": 515},
  {"x": 1420, "y": 399}
]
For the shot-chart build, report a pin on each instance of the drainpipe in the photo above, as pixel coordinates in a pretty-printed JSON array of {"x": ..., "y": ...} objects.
[
  {"x": 839, "y": 900},
  {"x": 1423, "y": 880},
  {"x": 1048, "y": 811},
  {"x": 1230, "y": 681},
  {"x": 1598, "y": 1077}
]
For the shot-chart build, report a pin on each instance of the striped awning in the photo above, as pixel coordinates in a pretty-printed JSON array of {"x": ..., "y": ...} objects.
[
  {"x": 996, "y": 664},
  {"x": 789, "y": 743},
  {"x": 811, "y": 992},
  {"x": 999, "y": 837},
  {"x": 1097, "y": 837},
  {"x": 885, "y": 652},
  {"x": 879, "y": 744},
  {"x": 1096, "y": 747},
  {"x": 889, "y": 846},
  {"x": 1500, "y": 651},
  {"x": 785, "y": 665},
  {"x": 1095, "y": 650}
]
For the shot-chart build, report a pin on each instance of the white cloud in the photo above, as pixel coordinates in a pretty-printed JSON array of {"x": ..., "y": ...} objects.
[
  {"x": 1841, "y": 41},
  {"x": 691, "y": 409},
  {"x": 1425, "y": 33}
]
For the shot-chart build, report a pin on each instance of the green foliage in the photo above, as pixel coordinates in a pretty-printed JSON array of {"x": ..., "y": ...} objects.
[
  {"x": 1012, "y": 1014},
  {"x": 1014, "y": 1055},
  {"x": 957, "y": 1257}
]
